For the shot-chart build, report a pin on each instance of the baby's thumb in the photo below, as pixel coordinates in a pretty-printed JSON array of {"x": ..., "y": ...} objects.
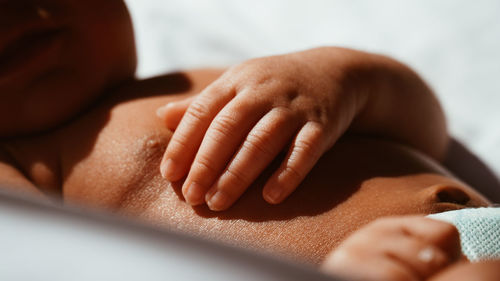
[{"x": 172, "y": 112}]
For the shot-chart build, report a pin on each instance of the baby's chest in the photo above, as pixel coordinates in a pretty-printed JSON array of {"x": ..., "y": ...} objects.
[{"x": 116, "y": 166}]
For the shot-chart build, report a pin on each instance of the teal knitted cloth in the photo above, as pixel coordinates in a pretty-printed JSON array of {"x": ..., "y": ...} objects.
[{"x": 479, "y": 230}]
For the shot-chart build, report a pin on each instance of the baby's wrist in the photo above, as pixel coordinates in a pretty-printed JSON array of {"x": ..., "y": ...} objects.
[{"x": 390, "y": 100}]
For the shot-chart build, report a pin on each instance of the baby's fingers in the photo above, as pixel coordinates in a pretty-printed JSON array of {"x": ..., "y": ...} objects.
[
  {"x": 189, "y": 133},
  {"x": 221, "y": 141},
  {"x": 306, "y": 149},
  {"x": 172, "y": 112},
  {"x": 262, "y": 144},
  {"x": 421, "y": 258}
]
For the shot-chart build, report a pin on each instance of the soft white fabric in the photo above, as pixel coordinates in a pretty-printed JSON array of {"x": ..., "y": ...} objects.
[
  {"x": 453, "y": 44},
  {"x": 479, "y": 230}
]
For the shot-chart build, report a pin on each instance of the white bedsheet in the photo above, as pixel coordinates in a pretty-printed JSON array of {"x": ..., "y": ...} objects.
[{"x": 454, "y": 45}]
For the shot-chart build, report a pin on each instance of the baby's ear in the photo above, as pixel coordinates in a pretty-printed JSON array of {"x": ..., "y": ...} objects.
[{"x": 171, "y": 113}]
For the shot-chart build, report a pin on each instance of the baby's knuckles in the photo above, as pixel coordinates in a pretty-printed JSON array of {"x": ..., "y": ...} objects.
[
  {"x": 282, "y": 70},
  {"x": 252, "y": 72},
  {"x": 286, "y": 81},
  {"x": 198, "y": 109}
]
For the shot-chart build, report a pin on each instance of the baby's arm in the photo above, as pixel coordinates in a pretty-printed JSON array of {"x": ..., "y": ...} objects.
[
  {"x": 236, "y": 126},
  {"x": 396, "y": 249}
]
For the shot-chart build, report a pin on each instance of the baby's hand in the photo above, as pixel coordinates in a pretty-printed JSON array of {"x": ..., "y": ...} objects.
[
  {"x": 242, "y": 121},
  {"x": 396, "y": 249}
]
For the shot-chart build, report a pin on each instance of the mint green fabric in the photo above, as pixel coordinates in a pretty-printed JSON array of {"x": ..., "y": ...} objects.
[{"x": 479, "y": 230}]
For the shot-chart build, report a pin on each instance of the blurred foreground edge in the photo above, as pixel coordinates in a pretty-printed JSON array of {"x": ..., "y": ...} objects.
[{"x": 40, "y": 241}]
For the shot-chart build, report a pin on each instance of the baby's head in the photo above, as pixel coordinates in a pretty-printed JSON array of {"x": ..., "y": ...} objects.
[{"x": 57, "y": 57}]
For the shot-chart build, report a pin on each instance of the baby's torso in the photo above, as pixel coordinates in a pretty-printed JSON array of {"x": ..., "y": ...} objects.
[{"x": 109, "y": 158}]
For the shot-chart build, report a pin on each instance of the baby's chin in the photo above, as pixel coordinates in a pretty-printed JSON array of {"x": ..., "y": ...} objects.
[{"x": 57, "y": 96}]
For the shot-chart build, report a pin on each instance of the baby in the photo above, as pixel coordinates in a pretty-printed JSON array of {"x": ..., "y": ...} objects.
[{"x": 76, "y": 125}]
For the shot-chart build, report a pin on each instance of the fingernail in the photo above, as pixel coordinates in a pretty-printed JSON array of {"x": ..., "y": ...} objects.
[
  {"x": 273, "y": 195},
  {"x": 162, "y": 111},
  {"x": 427, "y": 255},
  {"x": 167, "y": 169},
  {"x": 194, "y": 194},
  {"x": 217, "y": 201}
]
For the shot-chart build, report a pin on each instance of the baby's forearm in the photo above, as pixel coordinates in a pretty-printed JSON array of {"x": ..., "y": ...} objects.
[{"x": 389, "y": 99}]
